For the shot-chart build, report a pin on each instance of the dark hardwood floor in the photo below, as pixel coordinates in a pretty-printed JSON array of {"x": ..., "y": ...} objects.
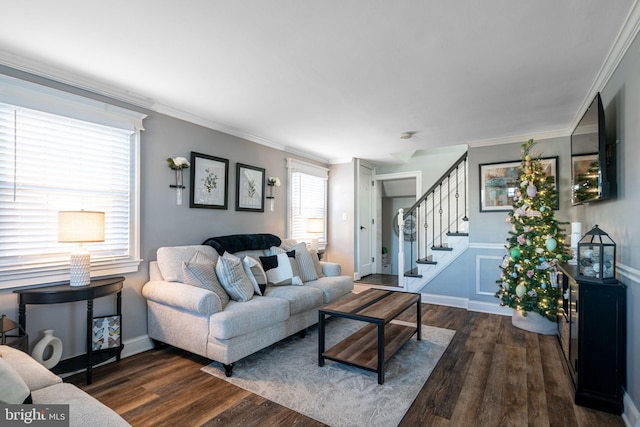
[
  {"x": 492, "y": 374},
  {"x": 379, "y": 279}
]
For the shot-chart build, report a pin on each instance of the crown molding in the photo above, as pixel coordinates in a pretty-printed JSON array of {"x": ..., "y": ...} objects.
[
  {"x": 621, "y": 45},
  {"x": 519, "y": 138}
]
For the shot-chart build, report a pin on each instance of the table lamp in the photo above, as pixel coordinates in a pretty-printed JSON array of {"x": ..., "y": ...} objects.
[
  {"x": 315, "y": 226},
  {"x": 80, "y": 227}
]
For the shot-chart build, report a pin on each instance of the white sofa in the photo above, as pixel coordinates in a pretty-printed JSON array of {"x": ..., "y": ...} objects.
[
  {"x": 193, "y": 319},
  {"x": 46, "y": 388}
]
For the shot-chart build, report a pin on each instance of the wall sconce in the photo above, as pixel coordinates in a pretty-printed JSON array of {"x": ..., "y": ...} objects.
[
  {"x": 273, "y": 181},
  {"x": 178, "y": 164},
  {"x": 80, "y": 227},
  {"x": 315, "y": 226}
]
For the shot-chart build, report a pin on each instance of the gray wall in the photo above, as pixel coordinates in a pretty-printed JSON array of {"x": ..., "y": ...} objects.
[
  {"x": 163, "y": 223},
  {"x": 619, "y": 217},
  {"x": 341, "y": 245}
]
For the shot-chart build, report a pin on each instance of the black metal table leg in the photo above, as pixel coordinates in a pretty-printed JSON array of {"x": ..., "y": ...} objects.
[{"x": 380, "y": 353}]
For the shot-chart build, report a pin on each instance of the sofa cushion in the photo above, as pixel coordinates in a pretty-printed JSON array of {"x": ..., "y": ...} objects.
[
  {"x": 241, "y": 318},
  {"x": 305, "y": 262},
  {"x": 233, "y": 278},
  {"x": 33, "y": 374},
  {"x": 84, "y": 410},
  {"x": 278, "y": 269},
  {"x": 13, "y": 389},
  {"x": 333, "y": 288},
  {"x": 203, "y": 275},
  {"x": 170, "y": 259},
  {"x": 301, "y": 298}
]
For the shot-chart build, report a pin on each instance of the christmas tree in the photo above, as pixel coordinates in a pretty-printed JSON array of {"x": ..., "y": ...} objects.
[{"x": 535, "y": 245}]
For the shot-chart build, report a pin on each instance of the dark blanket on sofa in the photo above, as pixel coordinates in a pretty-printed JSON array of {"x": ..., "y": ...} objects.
[{"x": 242, "y": 242}]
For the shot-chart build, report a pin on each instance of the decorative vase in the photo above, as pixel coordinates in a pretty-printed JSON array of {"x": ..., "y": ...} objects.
[
  {"x": 533, "y": 322},
  {"x": 178, "y": 186},
  {"x": 41, "y": 346}
]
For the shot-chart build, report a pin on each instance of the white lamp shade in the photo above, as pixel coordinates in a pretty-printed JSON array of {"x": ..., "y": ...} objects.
[
  {"x": 80, "y": 226},
  {"x": 315, "y": 225}
]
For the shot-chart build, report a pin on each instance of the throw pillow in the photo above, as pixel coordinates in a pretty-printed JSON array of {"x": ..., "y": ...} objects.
[
  {"x": 316, "y": 262},
  {"x": 203, "y": 275},
  {"x": 13, "y": 389},
  {"x": 275, "y": 250},
  {"x": 256, "y": 274},
  {"x": 278, "y": 270},
  {"x": 247, "y": 271},
  {"x": 234, "y": 280},
  {"x": 305, "y": 263}
]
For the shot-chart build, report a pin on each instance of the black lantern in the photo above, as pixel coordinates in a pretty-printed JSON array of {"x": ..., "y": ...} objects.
[{"x": 596, "y": 257}]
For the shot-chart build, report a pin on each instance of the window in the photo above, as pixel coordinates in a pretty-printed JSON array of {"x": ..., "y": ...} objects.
[
  {"x": 64, "y": 152},
  {"x": 307, "y": 202}
]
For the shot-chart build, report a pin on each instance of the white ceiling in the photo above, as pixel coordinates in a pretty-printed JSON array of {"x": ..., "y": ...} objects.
[{"x": 334, "y": 79}]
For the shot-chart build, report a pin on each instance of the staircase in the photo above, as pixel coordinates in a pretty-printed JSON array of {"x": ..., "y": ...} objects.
[{"x": 435, "y": 229}]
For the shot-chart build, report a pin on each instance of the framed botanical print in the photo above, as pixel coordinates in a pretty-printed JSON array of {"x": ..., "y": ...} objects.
[
  {"x": 250, "y": 183},
  {"x": 209, "y": 181},
  {"x": 499, "y": 183}
]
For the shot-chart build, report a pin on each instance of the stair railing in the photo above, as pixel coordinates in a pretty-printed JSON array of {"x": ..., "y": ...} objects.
[{"x": 434, "y": 218}]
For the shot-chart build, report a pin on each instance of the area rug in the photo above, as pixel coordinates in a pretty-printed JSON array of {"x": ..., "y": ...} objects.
[{"x": 336, "y": 394}]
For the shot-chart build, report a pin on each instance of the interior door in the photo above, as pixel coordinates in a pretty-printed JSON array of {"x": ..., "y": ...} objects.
[{"x": 365, "y": 221}]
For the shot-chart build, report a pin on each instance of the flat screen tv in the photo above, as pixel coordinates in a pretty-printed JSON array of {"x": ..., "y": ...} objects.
[{"x": 592, "y": 159}]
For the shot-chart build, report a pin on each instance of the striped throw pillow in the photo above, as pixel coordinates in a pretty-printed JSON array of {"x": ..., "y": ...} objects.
[{"x": 234, "y": 280}]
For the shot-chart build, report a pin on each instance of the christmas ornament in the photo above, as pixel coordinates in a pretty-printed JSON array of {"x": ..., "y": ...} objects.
[
  {"x": 515, "y": 253},
  {"x": 521, "y": 290},
  {"x": 551, "y": 244}
]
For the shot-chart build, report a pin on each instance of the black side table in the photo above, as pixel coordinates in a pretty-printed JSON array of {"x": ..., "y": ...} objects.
[{"x": 61, "y": 293}]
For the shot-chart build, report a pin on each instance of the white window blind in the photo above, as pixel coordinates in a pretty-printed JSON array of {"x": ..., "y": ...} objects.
[
  {"x": 54, "y": 162},
  {"x": 307, "y": 200}
]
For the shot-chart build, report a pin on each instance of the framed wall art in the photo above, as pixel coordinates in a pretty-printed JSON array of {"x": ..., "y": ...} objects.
[
  {"x": 499, "y": 182},
  {"x": 106, "y": 332},
  {"x": 209, "y": 182},
  {"x": 249, "y": 188}
]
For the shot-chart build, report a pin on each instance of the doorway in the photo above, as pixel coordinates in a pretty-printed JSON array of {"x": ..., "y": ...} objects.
[{"x": 393, "y": 191}]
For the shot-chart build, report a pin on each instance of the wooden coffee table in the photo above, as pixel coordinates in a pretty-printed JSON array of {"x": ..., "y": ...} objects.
[{"x": 370, "y": 347}]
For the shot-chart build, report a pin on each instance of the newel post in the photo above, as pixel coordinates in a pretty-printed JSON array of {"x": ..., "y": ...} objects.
[{"x": 400, "y": 248}]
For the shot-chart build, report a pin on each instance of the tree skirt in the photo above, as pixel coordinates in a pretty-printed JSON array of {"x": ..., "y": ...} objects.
[
  {"x": 534, "y": 322},
  {"x": 336, "y": 394}
]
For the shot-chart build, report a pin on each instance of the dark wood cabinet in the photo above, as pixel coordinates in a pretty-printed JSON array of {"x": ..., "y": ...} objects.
[{"x": 592, "y": 334}]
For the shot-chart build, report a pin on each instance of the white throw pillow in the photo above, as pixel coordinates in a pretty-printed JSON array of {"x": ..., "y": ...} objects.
[
  {"x": 256, "y": 274},
  {"x": 278, "y": 270},
  {"x": 234, "y": 280},
  {"x": 275, "y": 250}
]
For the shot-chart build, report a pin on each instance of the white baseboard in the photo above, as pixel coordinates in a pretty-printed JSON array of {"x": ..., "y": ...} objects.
[
  {"x": 631, "y": 415},
  {"x": 446, "y": 300},
  {"x": 466, "y": 303},
  {"x": 136, "y": 345},
  {"x": 491, "y": 308}
]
